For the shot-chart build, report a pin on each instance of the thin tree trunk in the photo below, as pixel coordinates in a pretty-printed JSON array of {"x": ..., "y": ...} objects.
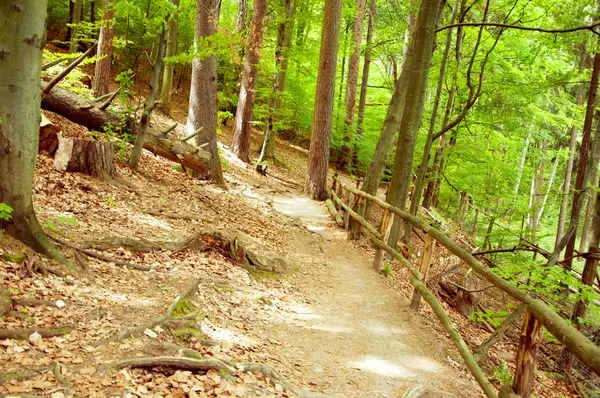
[
  {"x": 150, "y": 103},
  {"x": 242, "y": 128},
  {"x": 69, "y": 34},
  {"x": 362, "y": 102},
  {"x": 202, "y": 111},
  {"x": 420, "y": 53},
  {"x": 77, "y": 10},
  {"x": 522, "y": 163},
  {"x": 23, "y": 25},
  {"x": 167, "y": 83},
  {"x": 284, "y": 42},
  {"x": 421, "y": 174},
  {"x": 318, "y": 155},
  {"x": 548, "y": 190},
  {"x": 410, "y": 25},
  {"x": 584, "y": 153},
  {"x": 343, "y": 66},
  {"x": 93, "y": 7},
  {"x": 242, "y": 16},
  {"x": 101, "y": 83},
  {"x": 352, "y": 86},
  {"x": 590, "y": 197}
]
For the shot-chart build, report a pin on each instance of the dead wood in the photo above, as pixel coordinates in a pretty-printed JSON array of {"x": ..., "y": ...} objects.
[
  {"x": 168, "y": 316},
  {"x": 100, "y": 256},
  {"x": 48, "y": 137},
  {"x": 18, "y": 376},
  {"x": 46, "y": 89},
  {"x": 334, "y": 212},
  {"x": 5, "y": 301},
  {"x": 77, "y": 110},
  {"x": 109, "y": 100},
  {"x": 176, "y": 216},
  {"x": 498, "y": 334},
  {"x": 24, "y": 333},
  {"x": 144, "y": 245},
  {"x": 57, "y": 371},
  {"x": 94, "y": 158},
  {"x": 173, "y": 363}
]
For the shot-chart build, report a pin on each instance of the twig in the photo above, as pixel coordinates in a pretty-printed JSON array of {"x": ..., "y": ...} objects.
[
  {"x": 189, "y": 137},
  {"x": 53, "y": 63},
  {"x": 102, "y": 97},
  {"x": 173, "y": 127},
  {"x": 110, "y": 99},
  {"x": 471, "y": 291},
  {"x": 531, "y": 29},
  {"x": 68, "y": 70}
]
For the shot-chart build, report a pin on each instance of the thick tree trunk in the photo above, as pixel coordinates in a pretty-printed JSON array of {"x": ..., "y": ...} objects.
[
  {"x": 242, "y": 128},
  {"x": 101, "y": 83},
  {"x": 142, "y": 128},
  {"x": 420, "y": 53},
  {"x": 362, "y": 102},
  {"x": 80, "y": 111},
  {"x": 167, "y": 83},
  {"x": 23, "y": 23},
  {"x": 94, "y": 158},
  {"x": 582, "y": 166},
  {"x": 422, "y": 173},
  {"x": 202, "y": 113},
  {"x": 352, "y": 86},
  {"x": 77, "y": 10},
  {"x": 284, "y": 42},
  {"x": 318, "y": 155}
]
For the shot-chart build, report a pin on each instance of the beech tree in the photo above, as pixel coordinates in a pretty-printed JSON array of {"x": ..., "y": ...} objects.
[
  {"x": 77, "y": 11},
  {"x": 171, "y": 50},
  {"x": 243, "y": 117},
  {"x": 101, "y": 81},
  {"x": 318, "y": 154},
  {"x": 202, "y": 111},
  {"x": 21, "y": 41}
]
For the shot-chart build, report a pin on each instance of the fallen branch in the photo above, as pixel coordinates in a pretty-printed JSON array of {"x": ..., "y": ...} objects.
[
  {"x": 334, "y": 213},
  {"x": 189, "y": 137},
  {"x": 18, "y": 376},
  {"x": 175, "y": 216},
  {"x": 498, "y": 334},
  {"x": 471, "y": 291},
  {"x": 155, "y": 322},
  {"x": 109, "y": 100},
  {"x": 100, "y": 256},
  {"x": 24, "y": 333},
  {"x": 57, "y": 371},
  {"x": 53, "y": 63},
  {"x": 68, "y": 70},
  {"x": 173, "y": 127}
]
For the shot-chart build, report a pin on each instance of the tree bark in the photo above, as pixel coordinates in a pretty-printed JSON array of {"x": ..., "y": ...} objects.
[
  {"x": 242, "y": 128},
  {"x": 416, "y": 197},
  {"x": 420, "y": 53},
  {"x": 77, "y": 10},
  {"x": 522, "y": 163},
  {"x": 591, "y": 199},
  {"x": 94, "y": 158},
  {"x": 362, "y": 102},
  {"x": 167, "y": 83},
  {"x": 20, "y": 92},
  {"x": 284, "y": 42},
  {"x": 142, "y": 127},
  {"x": 352, "y": 86},
  {"x": 80, "y": 111},
  {"x": 202, "y": 111},
  {"x": 318, "y": 155},
  {"x": 101, "y": 83},
  {"x": 242, "y": 16}
]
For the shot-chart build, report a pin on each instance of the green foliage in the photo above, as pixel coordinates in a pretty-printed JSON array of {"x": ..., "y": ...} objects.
[
  {"x": 387, "y": 269},
  {"x": 5, "y": 212},
  {"x": 110, "y": 202},
  {"x": 501, "y": 373}
]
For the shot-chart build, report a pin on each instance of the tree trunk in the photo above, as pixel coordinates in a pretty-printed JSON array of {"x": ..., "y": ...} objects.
[
  {"x": 362, "y": 102},
  {"x": 242, "y": 16},
  {"x": 591, "y": 198},
  {"x": 352, "y": 86},
  {"x": 80, "y": 111},
  {"x": 284, "y": 42},
  {"x": 242, "y": 128},
  {"x": 522, "y": 164},
  {"x": 101, "y": 83},
  {"x": 94, "y": 158},
  {"x": 416, "y": 197},
  {"x": 77, "y": 10},
  {"x": 202, "y": 111},
  {"x": 318, "y": 155},
  {"x": 540, "y": 212},
  {"x": 142, "y": 128},
  {"x": 584, "y": 152},
  {"x": 69, "y": 34},
  {"x": 93, "y": 7},
  {"x": 420, "y": 53},
  {"x": 167, "y": 83},
  {"x": 23, "y": 23}
]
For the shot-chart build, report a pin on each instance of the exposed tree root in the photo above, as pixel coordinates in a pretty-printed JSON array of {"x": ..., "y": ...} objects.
[
  {"x": 168, "y": 316},
  {"x": 24, "y": 333},
  {"x": 57, "y": 371},
  {"x": 18, "y": 376},
  {"x": 32, "y": 302},
  {"x": 100, "y": 256},
  {"x": 143, "y": 245},
  {"x": 176, "y": 216}
]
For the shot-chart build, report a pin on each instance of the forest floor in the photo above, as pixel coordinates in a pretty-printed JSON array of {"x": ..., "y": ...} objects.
[{"x": 329, "y": 324}]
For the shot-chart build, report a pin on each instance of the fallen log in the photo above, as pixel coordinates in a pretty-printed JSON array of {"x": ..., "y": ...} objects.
[
  {"x": 94, "y": 158},
  {"x": 334, "y": 212},
  {"x": 83, "y": 112}
]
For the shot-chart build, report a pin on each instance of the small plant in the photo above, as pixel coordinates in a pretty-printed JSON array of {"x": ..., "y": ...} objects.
[
  {"x": 67, "y": 220},
  {"x": 387, "y": 269},
  {"x": 5, "y": 212},
  {"x": 49, "y": 226},
  {"x": 502, "y": 374},
  {"x": 110, "y": 202}
]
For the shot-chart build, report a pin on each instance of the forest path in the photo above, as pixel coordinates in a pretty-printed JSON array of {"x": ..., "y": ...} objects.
[{"x": 356, "y": 337}]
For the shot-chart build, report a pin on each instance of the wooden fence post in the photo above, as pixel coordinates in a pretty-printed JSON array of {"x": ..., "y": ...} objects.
[
  {"x": 347, "y": 214},
  {"x": 338, "y": 192},
  {"x": 386, "y": 227},
  {"x": 428, "y": 248},
  {"x": 360, "y": 209},
  {"x": 530, "y": 340}
]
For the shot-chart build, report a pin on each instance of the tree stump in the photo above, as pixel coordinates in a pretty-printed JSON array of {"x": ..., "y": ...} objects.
[
  {"x": 94, "y": 158},
  {"x": 48, "y": 137}
]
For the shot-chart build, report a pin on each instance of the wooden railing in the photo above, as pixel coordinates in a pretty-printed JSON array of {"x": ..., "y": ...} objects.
[{"x": 352, "y": 202}]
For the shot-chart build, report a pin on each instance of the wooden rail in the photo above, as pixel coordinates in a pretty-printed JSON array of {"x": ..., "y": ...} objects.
[{"x": 538, "y": 313}]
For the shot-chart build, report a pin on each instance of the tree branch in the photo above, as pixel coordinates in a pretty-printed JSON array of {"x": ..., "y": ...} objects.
[{"x": 591, "y": 28}]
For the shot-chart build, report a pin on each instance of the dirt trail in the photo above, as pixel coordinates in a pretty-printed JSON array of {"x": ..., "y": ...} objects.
[{"x": 356, "y": 338}]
